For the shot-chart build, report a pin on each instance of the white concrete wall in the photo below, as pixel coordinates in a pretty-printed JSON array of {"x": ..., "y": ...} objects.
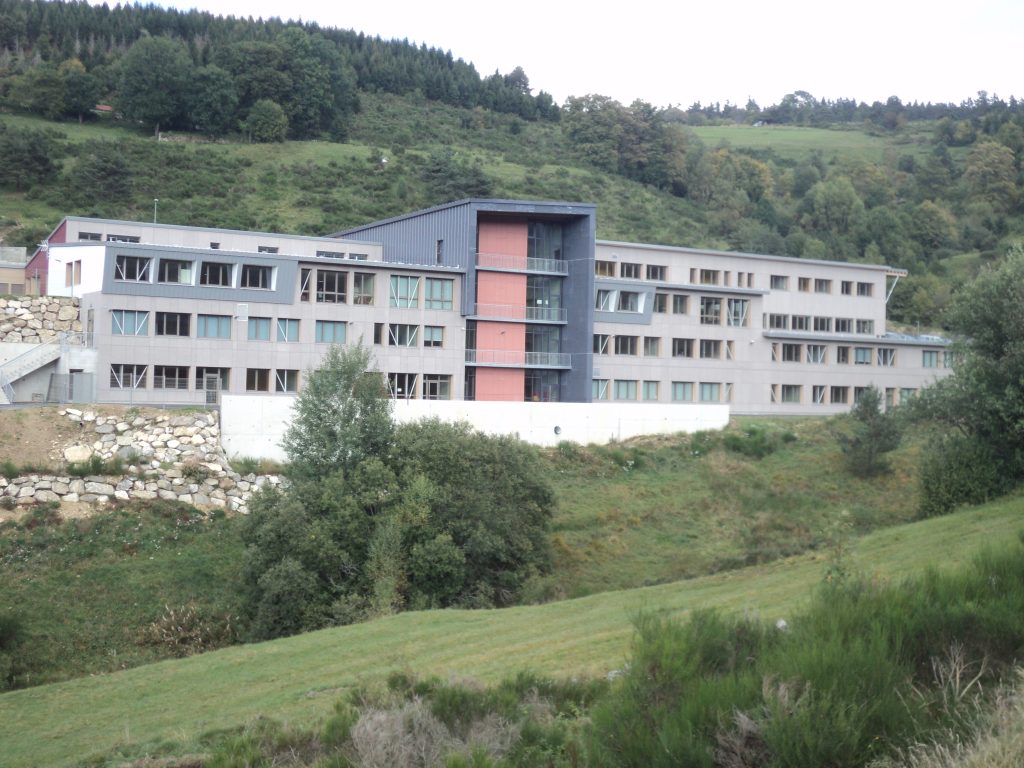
[
  {"x": 252, "y": 425},
  {"x": 91, "y": 257}
]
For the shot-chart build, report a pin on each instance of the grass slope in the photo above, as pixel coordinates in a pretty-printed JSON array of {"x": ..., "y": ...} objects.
[{"x": 301, "y": 677}]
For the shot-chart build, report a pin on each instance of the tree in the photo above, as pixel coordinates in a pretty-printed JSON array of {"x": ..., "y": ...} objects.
[
  {"x": 266, "y": 123},
  {"x": 81, "y": 90},
  {"x": 27, "y": 157},
  {"x": 991, "y": 173},
  {"x": 155, "y": 74},
  {"x": 212, "y": 101},
  {"x": 874, "y": 433}
]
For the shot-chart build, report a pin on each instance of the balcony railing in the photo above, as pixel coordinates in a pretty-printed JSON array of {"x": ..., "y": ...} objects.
[
  {"x": 514, "y": 312},
  {"x": 516, "y": 358},
  {"x": 521, "y": 263}
]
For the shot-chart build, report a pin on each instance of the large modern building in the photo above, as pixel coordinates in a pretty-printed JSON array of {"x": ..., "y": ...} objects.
[{"x": 481, "y": 300}]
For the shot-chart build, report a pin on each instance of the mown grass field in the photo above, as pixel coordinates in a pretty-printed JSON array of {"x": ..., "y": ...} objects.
[{"x": 301, "y": 677}]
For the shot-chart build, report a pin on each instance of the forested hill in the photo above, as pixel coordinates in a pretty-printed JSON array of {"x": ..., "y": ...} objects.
[{"x": 934, "y": 188}]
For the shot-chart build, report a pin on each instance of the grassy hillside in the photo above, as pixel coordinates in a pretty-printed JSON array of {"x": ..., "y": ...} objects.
[{"x": 301, "y": 677}]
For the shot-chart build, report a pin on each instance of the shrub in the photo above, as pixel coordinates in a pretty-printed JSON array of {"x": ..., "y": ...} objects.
[
  {"x": 873, "y": 433},
  {"x": 958, "y": 470},
  {"x": 755, "y": 441},
  {"x": 184, "y": 631}
]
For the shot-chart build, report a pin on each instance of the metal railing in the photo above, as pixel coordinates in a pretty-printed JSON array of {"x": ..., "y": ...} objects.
[
  {"x": 518, "y": 312},
  {"x": 513, "y": 357},
  {"x": 521, "y": 263},
  {"x": 39, "y": 355}
]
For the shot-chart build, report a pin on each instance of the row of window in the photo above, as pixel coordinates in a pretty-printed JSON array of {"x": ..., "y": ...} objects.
[
  {"x": 881, "y": 356},
  {"x": 136, "y": 376},
  {"x": 821, "y": 285},
  {"x": 713, "y": 349},
  {"x": 126, "y": 322},
  {"x": 424, "y": 386},
  {"x": 214, "y": 274},
  {"x": 407, "y": 335},
  {"x": 679, "y": 392},
  {"x": 330, "y": 286},
  {"x": 780, "y": 322},
  {"x": 821, "y": 394}
]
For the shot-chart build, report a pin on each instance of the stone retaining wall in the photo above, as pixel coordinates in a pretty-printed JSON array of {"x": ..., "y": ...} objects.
[{"x": 37, "y": 319}]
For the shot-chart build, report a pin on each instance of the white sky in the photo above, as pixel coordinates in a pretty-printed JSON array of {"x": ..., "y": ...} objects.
[{"x": 681, "y": 52}]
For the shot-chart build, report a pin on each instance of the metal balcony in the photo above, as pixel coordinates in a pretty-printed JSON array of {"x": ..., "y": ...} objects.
[
  {"x": 510, "y": 358},
  {"x": 505, "y": 262},
  {"x": 520, "y": 313}
]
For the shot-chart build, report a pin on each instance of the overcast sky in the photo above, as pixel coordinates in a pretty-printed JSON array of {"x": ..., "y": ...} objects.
[{"x": 681, "y": 52}]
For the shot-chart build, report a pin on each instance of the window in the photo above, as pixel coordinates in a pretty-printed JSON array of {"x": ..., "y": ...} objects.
[
  {"x": 822, "y": 286},
  {"x": 709, "y": 277},
  {"x": 858, "y": 393},
  {"x": 792, "y": 353},
  {"x": 775, "y": 351},
  {"x": 215, "y": 273},
  {"x": 778, "y": 322},
  {"x": 362, "y": 288},
  {"x": 803, "y": 284},
  {"x": 439, "y": 251},
  {"x": 122, "y": 239},
  {"x": 682, "y": 391},
  {"x": 133, "y": 269},
  {"x": 679, "y": 304},
  {"x": 599, "y": 389},
  {"x": 259, "y": 329},
  {"x": 172, "y": 323},
  {"x": 865, "y": 289},
  {"x": 286, "y": 380},
  {"x": 780, "y": 283},
  {"x": 929, "y": 359},
  {"x": 625, "y": 345},
  {"x": 405, "y": 291},
  {"x": 625, "y": 390},
  {"x": 661, "y": 302},
  {"x": 710, "y": 349},
  {"x": 791, "y": 393},
  {"x": 601, "y": 343},
  {"x": 907, "y": 394},
  {"x": 330, "y": 255},
  {"x": 438, "y": 293},
  {"x": 402, "y": 335},
  {"x": 844, "y": 325},
  {"x": 604, "y": 300},
  {"x": 948, "y": 359},
  {"x": 257, "y": 379},
  {"x": 90, "y": 236},
  {"x": 331, "y": 286},
  {"x": 437, "y": 386},
  {"x": 127, "y": 376},
  {"x": 839, "y": 395},
  {"x": 816, "y": 353},
  {"x": 801, "y": 322},
  {"x": 629, "y": 271},
  {"x": 170, "y": 377},
  {"x": 604, "y": 268},
  {"x": 862, "y": 355},
  {"x": 222, "y": 376},
  {"x": 266, "y": 249},
  {"x": 865, "y": 326},
  {"x": 287, "y": 329},
  {"x": 823, "y": 324},
  {"x": 886, "y": 357},
  {"x": 126, "y": 322},
  {"x": 73, "y": 273},
  {"x": 652, "y": 346},
  {"x": 403, "y": 385},
  {"x": 358, "y": 257},
  {"x": 650, "y": 390},
  {"x": 846, "y": 287},
  {"x": 843, "y": 355},
  {"x": 433, "y": 336},
  {"x": 818, "y": 394},
  {"x": 655, "y": 272},
  {"x": 738, "y": 312},
  {"x": 682, "y": 347},
  {"x": 331, "y": 332},
  {"x": 710, "y": 310},
  {"x": 254, "y": 276},
  {"x": 710, "y": 392},
  {"x": 213, "y": 326},
  {"x": 730, "y": 350},
  {"x": 629, "y": 301},
  {"x": 305, "y": 276},
  {"x": 174, "y": 271},
  {"x": 214, "y": 246}
]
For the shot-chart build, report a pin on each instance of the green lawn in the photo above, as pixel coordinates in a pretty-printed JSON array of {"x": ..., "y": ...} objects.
[
  {"x": 301, "y": 677},
  {"x": 795, "y": 143}
]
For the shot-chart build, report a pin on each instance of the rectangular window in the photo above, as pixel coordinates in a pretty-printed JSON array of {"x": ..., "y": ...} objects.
[
  {"x": 126, "y": 322},
  {"x": 330, "y": 255},
  {"x": 816, "y": 353},
  {"x": 439, "y": 251},
  {"x": 886, "y": 357},
  {"x": 823, "y": 324},
  {"x": 682, "y": 347},
  {"x": 656, "y": 272},
  {"x": 605, "y": 300},
  {"x": 801, "y": 323},
  {"x": 780, "y": 283},
  {"x": 305, "y": 278},
  {"x": 803, "y": 284},
  {"x": 172, "y": 323},
  {"x": 738, "y": 312},
  {"x": 402, "y": 335},
  {"x": 127, "y": 376},
  {"x": 174, "y": 271},
  {"x": 254, "y": 276},
  {"x": 844, "y": 325},
  {"x": 287, "y": 329},
  {"x": 865, "y": 289},
  {"x": 791, "y": 393},
  {"x": 94, "y": 237},
  {"x": 652, "y": 346},
  {"x": 843, "y": 355},
  {"x": 661, "y": 302},
  {"x": 331, "y": 331},
  {"x": 405, "y": 291},
  {"x": 72, "y": 274},
  {"x": 222, "y": 376},
  {"x": 822, "y": 286},
  {"x": 433, "y": 336},
  {"x": 818, "y": 394},
  {"x": 170, "y": 377},
  {"x": 792, "y": 353},
  {"x": 778, "y": 322},
  {"x": 122, "y": 239},
  {"x": 403, "y": 386},
  {"x": 132, "y": 269},
  {"x": 331, "y": 286},
  {"x": 362, "y": 288},
  {"x": 846, "y": 287},
  {"x": 907, "y": 394},
  {"x": 710, "y": 392},
  {"x": 629, "y": 301},
  {"x": 625, "y": 345},
  {"x": 650, "y": 390},
  {"x": 625, "y": 390},
  {"x": 629, "y": 271},
  {"x": 948, "y": 359},
  {"x": 865, "y": 326},
  {"x": 730, "y": 350},
  {"x": 213, "y": 326},
  {"x": 929, "y": 359},
  {"x": 604, "y": 268},
  {"x": 286, "y": 380},
  {"x": 259, "y": 329},
  {"x": 215, "y": 273},
  {"x": 711, "y": 349},
  {"x": 438, "y": 293},
  {"x": 602, "y": 342},
  {"x": 437, "y": 386},
  {"x": 839, "y": 395},
  {"x": 862, "y": 355},
  {"x": 214, "y": 246},
  {"x": 359, "y": 257},
  {"x": 257, "y": 379},
  {"x": 709, "y": 277},
  {"x": 266, "y": 249},
  {"x": 710, "y": 310},
  {"x": 858, "y": 393},
  {"x": 682, "y": 391},
  {"x": 599, "y": 389},
  {"x": 679, "y": 304}
]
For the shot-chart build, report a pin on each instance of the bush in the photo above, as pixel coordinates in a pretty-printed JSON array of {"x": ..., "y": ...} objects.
[
  {"x": 958, "y": 470},
  {"x": 756, "y": 442},
  {"x": 184, "y": 631},
  {"x": 873, "y": 433}
]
